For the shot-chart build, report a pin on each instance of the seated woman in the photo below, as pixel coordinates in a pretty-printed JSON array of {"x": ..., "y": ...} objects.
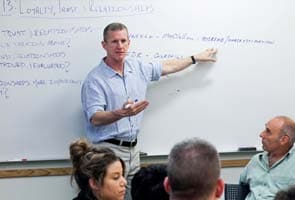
[{"x": 98, "y": 172}]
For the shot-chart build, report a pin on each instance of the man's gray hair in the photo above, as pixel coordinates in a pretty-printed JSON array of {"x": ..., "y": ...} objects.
[
  {"x": 193, "y": 169},
  {"x": 116, "y": 26},
  {"x": 288, "y": 128}
]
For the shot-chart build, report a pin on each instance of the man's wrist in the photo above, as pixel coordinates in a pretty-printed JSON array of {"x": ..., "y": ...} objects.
[
  {"x": 193, "y": 60},
  {"x": 118, "y": 114}
]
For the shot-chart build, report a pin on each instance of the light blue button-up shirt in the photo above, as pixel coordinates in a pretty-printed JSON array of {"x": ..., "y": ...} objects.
[
  {"x": 265, "y": 181},
  {"x": 106, "y": 90}
]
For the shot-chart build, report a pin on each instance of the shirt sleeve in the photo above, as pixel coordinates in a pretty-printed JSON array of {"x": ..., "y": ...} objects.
[
  {"x": 152, "y": 71},
  {"x": 93, "y": 99},
  {"x": 243, "y": 176}
]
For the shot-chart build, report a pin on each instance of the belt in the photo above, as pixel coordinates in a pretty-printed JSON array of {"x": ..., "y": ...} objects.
[{"x": 122, "y": 142}]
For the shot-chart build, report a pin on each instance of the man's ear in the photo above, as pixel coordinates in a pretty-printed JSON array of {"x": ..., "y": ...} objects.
[
  {"x": 166, "y": 185},
  {"x": 285, "y": 139},
  {"x": 103, "y": 44},
  {"x": 219, "y": 188},
  {"x": 93, "y": 184}
]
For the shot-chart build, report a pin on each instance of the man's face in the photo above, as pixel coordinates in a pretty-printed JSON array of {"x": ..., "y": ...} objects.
[
  {"x": 271, "y": 136},
  {"x": 116, "y": 45}
]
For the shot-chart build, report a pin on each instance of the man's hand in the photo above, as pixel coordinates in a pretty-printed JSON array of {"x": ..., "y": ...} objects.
[
  {"x": 207, "y": 55},
  {"x": 131, "y": 108}
]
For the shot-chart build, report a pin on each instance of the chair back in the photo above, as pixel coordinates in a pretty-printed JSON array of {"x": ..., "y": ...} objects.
[
  {"x": 236, "y": 191},
  {"x": 231, "y": 191}
]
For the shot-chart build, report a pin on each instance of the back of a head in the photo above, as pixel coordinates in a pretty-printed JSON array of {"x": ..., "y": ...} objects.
[
  {"x": 147, "y": 183},
  {"x": 193, "y": 169},
  {"x": 90, "y": 162},
  {"x": 288, "y": 194}
]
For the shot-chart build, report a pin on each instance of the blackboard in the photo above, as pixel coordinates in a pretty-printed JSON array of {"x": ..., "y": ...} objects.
[{"x": 48, "y": 47}]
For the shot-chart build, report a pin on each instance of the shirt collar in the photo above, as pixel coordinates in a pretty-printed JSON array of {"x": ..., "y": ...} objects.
[
  {"x": 264, "y": 155},
  {"x": 291, "y": 151},
  {"x": 111, "y": 73}
]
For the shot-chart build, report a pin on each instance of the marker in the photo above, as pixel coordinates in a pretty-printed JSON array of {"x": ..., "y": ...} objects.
[
  {"x": 247, "y": 149},
  {"x": 18, "y": 160},
  {"x": 130, "y": 104}
]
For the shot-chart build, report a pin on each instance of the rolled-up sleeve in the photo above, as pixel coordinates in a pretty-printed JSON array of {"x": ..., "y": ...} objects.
[
  {"x": 152, "y": 71},
  {"x": 93, "y": 99}
]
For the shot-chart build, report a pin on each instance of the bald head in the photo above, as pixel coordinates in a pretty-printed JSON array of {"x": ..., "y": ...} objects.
[{"x": 287, "y": 127}]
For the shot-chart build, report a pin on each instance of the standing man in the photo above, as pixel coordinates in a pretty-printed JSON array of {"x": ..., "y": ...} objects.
[
  {"x": 194, "y": 171},
  {"x": 272, "y": 170},
  {"x": 113, "y": 94}
]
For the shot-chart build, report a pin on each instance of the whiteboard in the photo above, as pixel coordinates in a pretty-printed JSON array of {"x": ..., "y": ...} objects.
[{"x": 48, "y": 47}]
